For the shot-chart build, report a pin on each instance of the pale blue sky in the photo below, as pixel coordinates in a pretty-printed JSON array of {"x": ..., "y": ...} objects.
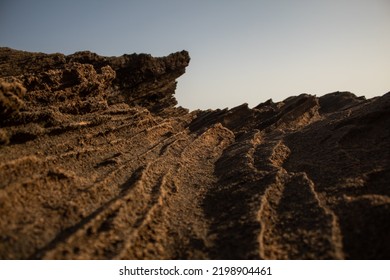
[{"x": 241, "y": 51}]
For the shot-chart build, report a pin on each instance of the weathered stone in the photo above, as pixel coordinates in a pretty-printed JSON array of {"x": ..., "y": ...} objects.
[{"x": 98, "y": 163}]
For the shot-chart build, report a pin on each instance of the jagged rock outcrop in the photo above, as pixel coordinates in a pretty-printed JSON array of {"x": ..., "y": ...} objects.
[
  {"x": 137, "y": 80},
  {"x": 98, "y": 163}
]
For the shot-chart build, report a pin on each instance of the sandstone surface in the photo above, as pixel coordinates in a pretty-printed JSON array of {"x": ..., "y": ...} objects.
[{"x": 98, "y": 162}]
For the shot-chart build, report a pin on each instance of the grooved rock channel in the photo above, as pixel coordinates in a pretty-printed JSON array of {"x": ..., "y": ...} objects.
[{"x": 97, "y": 162}]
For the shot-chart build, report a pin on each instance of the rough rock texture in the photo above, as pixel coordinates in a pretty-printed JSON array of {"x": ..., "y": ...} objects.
[{"x": 98, "y": 163}]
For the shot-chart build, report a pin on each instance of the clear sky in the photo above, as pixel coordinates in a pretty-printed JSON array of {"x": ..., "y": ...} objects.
[{"x": 241, "y": 51}]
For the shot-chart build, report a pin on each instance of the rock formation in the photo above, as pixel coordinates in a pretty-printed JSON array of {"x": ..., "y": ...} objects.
[{"x": 98, "y": 163}]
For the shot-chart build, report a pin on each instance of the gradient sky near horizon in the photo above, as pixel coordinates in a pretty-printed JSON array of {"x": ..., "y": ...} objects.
[{"x": 241, "y": 51}]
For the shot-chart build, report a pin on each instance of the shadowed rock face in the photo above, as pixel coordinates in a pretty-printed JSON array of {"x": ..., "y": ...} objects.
[{"x": 98, "y": 163}]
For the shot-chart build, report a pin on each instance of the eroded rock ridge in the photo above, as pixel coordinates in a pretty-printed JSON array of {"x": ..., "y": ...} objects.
[{"x": 98, "y": 163}]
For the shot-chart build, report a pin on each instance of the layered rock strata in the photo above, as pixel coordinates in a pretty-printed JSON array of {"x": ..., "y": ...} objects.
[{"x": 98, "y": 163}]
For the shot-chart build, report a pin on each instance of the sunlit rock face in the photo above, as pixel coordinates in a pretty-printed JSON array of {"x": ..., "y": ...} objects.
[{"x": 98, "y": 162}]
